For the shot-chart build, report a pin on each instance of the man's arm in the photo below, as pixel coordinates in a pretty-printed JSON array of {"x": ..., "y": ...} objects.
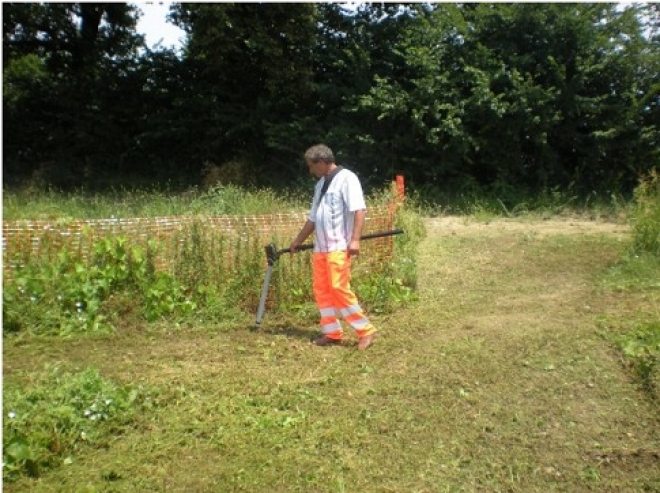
[
  {"x": 358, "y": 224},
  {"x": 307, "y": 229}
]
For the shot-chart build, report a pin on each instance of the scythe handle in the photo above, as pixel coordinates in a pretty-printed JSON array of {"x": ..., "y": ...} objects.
[{"x": 379, "y": 234}]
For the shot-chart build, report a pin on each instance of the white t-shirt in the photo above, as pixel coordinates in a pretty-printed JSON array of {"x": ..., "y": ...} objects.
[{"x": 333, "y": 217}]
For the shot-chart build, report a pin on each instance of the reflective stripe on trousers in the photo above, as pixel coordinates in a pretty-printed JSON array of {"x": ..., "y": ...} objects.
[{"x": 333, "y": 295}]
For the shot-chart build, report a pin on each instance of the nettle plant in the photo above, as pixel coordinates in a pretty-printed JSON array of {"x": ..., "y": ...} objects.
[{"x": 68, "y": 295}]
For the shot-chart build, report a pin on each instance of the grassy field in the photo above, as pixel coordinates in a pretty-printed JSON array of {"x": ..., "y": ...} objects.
[{"x": 505, "y": 376}]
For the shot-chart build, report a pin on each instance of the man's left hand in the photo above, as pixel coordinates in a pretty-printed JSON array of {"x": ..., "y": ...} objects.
[{"x": 354, "y": 248}]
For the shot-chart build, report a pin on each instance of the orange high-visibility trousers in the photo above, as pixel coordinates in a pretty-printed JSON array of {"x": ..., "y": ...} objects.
[{"x": 333, "y": 295}]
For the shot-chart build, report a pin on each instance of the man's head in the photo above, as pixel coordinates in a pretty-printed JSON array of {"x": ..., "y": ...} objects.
[{"x": 320, "y": 160}]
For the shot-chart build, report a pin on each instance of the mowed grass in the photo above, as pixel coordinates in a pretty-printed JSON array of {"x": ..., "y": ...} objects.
[{"x": 501, "y": 378}]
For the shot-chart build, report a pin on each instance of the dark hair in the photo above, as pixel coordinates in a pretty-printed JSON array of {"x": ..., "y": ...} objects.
[{"x": 320, "y": 152}]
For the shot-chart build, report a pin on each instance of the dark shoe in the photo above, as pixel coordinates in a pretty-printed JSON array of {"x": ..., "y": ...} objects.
[
  {"x": 366, "y": 341},
  {"x": 325, "y": 341}
]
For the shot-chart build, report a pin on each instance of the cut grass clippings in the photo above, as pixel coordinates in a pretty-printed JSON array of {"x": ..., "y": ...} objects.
[{"x": 498, "y": 379}]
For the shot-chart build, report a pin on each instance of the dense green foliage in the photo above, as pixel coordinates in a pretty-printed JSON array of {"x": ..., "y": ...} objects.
[
  {"x": 642, "y": 344},
  {"x": 56, "y": 291},
  {"x": 30, "y": 203},
  {"x": 646, "y": 222},
  {"x": 638, "y": 271},
  {"x": 67, "y": 294},
  {"x": 498, "y": 97}
]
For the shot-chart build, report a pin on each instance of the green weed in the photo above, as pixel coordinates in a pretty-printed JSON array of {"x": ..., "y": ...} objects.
[
  {"x": 212, "y": 275},
  {"x": 49, "y": 423},
  {"x": 642, "y": 347},
  {"x": 383, "y": 292},
  {"x": 393, "y": 285},
  {"x": 487, "y": 203},
  {"x": 639, "y": 271},
  {"x": 222, "y": 200},
  {"x": 69, "y": 295},
  {"x": 634, "y": 272},
  {"x": 31, "y": 204},
  {"x": 646, "y": 216}
]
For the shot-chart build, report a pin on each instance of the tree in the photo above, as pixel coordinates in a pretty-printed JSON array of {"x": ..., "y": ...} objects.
[
  {"x": 350, "y": 47},
  {"x": 62, "y": 62},
  {"x": 504, "y": 97},
  {"x": 519, "y": 96},
  {"x": 251, "y": 64}
]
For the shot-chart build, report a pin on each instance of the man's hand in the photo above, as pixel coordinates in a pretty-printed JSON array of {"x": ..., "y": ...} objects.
[
  {"x": 354, "y": 245},
  {"x": 354, "y": 248},
  {"x": 307, "y": 229}
]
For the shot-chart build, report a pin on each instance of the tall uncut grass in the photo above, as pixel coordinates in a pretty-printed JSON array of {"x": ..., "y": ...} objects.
[
  {"x": 638, "y": 336},
  {"x": 212, "y": 274},
  {"x": 646, "y": 216},
  {"x": 485, "y": 203},
  {"x": 31, "y": 204}
]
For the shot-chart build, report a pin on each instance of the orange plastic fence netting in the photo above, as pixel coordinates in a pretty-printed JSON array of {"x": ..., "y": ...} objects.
[{"x": 227, "y": 238}]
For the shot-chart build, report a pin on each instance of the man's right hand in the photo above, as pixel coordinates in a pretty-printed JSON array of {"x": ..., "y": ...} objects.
[{"x": 306, "y": 230}]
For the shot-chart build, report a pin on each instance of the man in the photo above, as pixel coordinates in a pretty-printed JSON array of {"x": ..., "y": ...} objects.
[{"x": 337, "y": 217}]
